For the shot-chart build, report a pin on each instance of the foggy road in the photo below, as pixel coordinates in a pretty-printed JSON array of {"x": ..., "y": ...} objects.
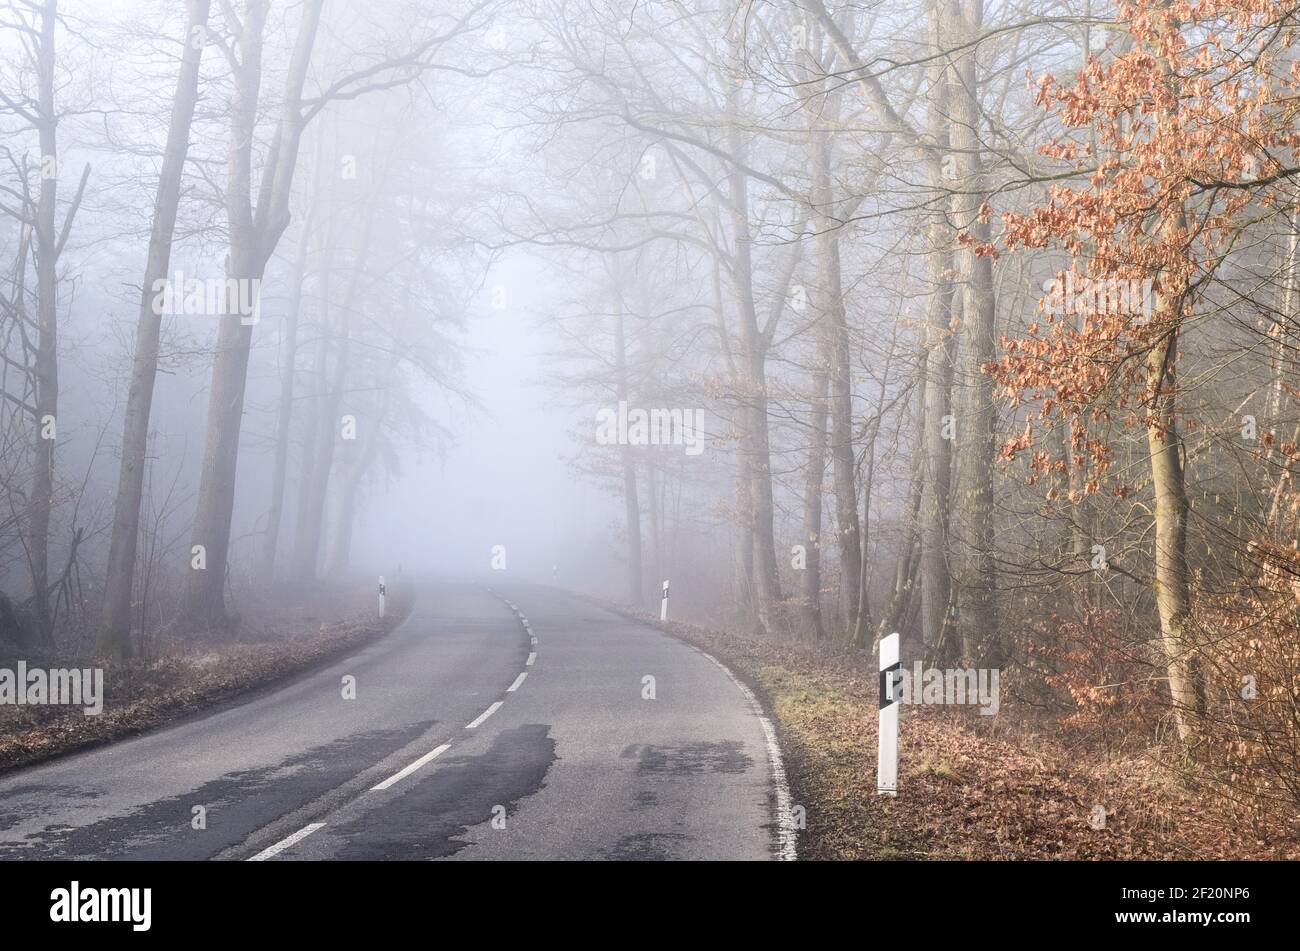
[{"x": 553, "y": 730}]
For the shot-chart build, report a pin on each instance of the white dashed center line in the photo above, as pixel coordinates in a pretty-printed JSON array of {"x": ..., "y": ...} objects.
[
  {"x": 484, "y": 715},
  {"x": 283, "y": 844},
  {"x": 402, "y": 773},
  {"x": 518, "y": 682}
]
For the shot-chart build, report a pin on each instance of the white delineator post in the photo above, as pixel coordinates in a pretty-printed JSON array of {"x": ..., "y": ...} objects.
[
  {"x": 663, "y": 604},
  {"x": 887, "y": 747},
  {"x": 382, "y": 591}
]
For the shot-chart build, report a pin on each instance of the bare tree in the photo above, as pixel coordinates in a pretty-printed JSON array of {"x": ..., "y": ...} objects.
[{"x": 115, "y": 634}]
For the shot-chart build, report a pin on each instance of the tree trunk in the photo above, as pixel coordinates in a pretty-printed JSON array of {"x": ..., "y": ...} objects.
[
  {"x": 812, "y": 502},
  {"x": 354, "y": 470},
  {"x": 758, "y": 447},
  {"x": 936, "y": 580},
  {"x": 288, "y": 385},
  {"x": 253, "y": 237},
  {"x": 312, "y": 521},
  {"x": 631, "y": 501},
  {"x": 1172, "y": 586},
  {"x": 115, "y": 633},
  {"x": 904, "y": 592},
  {"x": 978, "y": 441},
  {"x": 46, "y": 362},
  {"x": 654, "y": 514},
  {"x": 1173, "y": 593},
  {"x": 314, "y": 409},
  {"x": 835, "y": 328}
]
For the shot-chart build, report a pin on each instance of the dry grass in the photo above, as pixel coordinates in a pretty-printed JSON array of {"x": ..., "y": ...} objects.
[{"x": 278, "y": 640}]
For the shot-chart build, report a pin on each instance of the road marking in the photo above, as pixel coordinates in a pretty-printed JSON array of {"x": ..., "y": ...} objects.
[
  {"x": 785, "y": 825},
  {"x": 484, "y": 715},
  {"x": 518, "y": 682},
  {"x": 283, "y": 844},
  {"x": 531, "y": 657},
  {"x": 401, "y": 774}
]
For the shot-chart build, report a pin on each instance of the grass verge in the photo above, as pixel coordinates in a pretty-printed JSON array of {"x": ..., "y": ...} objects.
[{"x": 280, "y": 640}]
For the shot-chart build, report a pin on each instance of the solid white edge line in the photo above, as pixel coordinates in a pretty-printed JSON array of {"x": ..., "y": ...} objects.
[
  {"x": 407, "y": 771},
  {"x": 484, "y": 715},
  {"x": 531, "y": 657},
  {"x": 785, "y": 825},
  {"x": 283, "y": 844},
  {"x": 518, "y": 683}
]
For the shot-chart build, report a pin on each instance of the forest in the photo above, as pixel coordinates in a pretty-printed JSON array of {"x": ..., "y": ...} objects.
[{"x": 977, "y": 321}]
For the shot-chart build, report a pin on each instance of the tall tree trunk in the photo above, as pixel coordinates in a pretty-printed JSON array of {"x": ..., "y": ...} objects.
[
  {"x": 812, "y": 501},
  {"x": 758, "y": 447},
  {"x": 631, "y": 501},
  {"x": 288, "y": 386},
  {"x": 860, "y": 633},
  {"x": 978, "y": 441},
  {"x": 1173, "y": 592},
  {"x": 936, "y": 580},
  {"x": 654, "y": 515},
  {"x": 46, "y": 361},
  {"x": 354, "y": 469},
  {"x": 904, "y": 593},
  {"x": 1172, "y": 585},
  {"x": 115, "y": 632},
  {"x": 744, "y": 542},
  {"x": 314, "y": 408},
  {"x": 253, "y": 236},
  {"x": 835, "y": 328},
  {"x": 311, "y": 534}
]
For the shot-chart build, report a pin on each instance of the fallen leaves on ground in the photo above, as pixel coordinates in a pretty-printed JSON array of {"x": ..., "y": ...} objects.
[{"x": 967, "y": 789}]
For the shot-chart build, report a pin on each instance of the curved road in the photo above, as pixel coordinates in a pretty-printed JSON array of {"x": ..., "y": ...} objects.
[{"x": 524, "y": 723}]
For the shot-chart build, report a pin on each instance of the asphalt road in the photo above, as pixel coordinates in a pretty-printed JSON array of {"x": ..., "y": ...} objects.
[{"x": 524, "y": 723}]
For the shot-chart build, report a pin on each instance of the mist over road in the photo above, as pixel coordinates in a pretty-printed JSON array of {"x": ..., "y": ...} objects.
[{"x": 551, "y": 730}]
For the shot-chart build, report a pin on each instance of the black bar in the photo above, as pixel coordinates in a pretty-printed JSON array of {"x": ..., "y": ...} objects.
[
  {"x": 979, "y": 900},
  {"x": 886, "y": 698}
]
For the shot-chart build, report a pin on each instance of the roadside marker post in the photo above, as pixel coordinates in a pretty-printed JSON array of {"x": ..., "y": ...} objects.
[
  {"x": 382, "y": 591},
  {"x": 663, "y": 603},
  {"x": 887, "y": 746}
]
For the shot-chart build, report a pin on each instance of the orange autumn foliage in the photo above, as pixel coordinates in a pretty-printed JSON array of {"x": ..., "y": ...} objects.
[{"x": 1193, "y": 127}]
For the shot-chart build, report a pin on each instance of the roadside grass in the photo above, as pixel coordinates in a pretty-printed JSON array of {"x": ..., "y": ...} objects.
[{"x": 278, "y": 639}]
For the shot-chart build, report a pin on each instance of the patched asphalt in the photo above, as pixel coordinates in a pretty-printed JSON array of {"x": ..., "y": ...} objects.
[{"x": 585, "y": 759}]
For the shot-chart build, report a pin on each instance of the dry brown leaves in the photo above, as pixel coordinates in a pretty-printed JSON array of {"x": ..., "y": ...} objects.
[{"x": 969, "y": 788}]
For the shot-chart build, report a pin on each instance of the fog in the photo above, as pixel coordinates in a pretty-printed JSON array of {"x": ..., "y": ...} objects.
[
  {"x": 436, "y": 376},
  {"x": 746, "y": 296},
  {"x": 505, "y": 476}
]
